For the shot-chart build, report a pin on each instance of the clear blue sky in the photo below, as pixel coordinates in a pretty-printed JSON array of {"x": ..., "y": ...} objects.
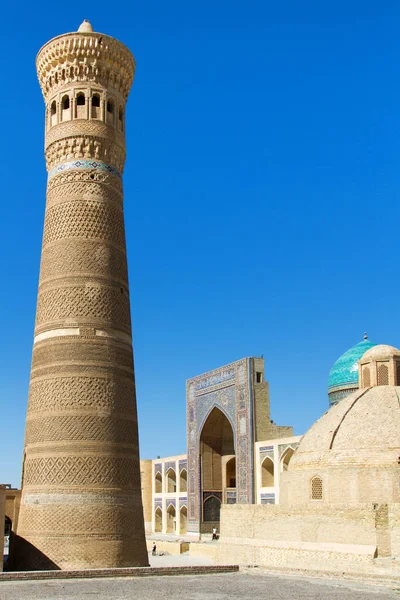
[{"x": 261, "y": 188}]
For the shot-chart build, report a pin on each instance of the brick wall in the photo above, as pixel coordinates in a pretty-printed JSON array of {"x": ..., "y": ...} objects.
[{"x": 146, "y": 485}]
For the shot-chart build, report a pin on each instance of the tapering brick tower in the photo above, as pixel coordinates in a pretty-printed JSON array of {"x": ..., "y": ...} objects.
[{"x": 81, "y": 500}]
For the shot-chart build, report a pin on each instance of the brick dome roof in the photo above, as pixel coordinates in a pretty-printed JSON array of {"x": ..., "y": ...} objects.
[{"x": 362, "y": 429}]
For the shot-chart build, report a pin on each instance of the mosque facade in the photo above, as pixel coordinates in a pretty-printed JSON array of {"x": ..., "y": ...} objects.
[{"x": 235, "y": 453}]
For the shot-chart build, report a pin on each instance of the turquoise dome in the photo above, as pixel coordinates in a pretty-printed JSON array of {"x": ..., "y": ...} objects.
[{"x": 344, "y": 373}]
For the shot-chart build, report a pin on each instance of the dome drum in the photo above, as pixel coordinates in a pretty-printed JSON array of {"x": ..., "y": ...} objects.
[{"x": 380, "y": 366}]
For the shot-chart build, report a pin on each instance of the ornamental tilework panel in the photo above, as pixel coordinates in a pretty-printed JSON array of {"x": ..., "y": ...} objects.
[
  {"x": 223, "y": 399},
  {"x": 182, "y": 465},
  {"x": 157, "y": 468},
  {"x": 230, "y": 390},
  {"x": 170, "y": 465},
  {"x": 284, "y": 447},
  {"x": 266, "y": 451},
  {"x": 83, "y": 164},
  {"x": 231, "y": 497},
  {"x": 183, "y": 502},
  {"x": 221, "y": 377},
  {"x": 267, "y": 498}
]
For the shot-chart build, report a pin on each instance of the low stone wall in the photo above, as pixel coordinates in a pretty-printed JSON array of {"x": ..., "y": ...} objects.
[
  {"x": 169, "y": 546},
  {"x": 127, "y": 572},
  {"x": 322, "y": 537},
  {"x": 203, "y": 550}
]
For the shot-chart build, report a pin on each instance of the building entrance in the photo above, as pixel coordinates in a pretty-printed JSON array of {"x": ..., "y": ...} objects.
[{"x": 218, "y": 467}]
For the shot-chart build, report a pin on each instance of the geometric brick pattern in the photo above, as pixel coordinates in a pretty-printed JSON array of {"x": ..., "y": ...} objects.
[
  {"x": 86, "y": 353},
  {"x": 65, "y": 393},
  {"x": 83, "y": 257},
  {"x": 108, "y": 305},
  {"x": 97, "y": 520},
  {"x": 99, "y": 471},
  {"x": 84, "y": 176},
  {"x": 79, "y": 147},
  {"x": 86, "y": 128},
  {"x": 79, "y": 189},
  {"x": 88, "y": 219},
  {"x": 80, "y": 427}
]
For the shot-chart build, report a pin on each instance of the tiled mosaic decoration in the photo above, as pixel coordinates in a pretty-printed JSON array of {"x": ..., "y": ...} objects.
[
  {"x": 83, "y": 164},
  {"x": 228, "y": 389}
]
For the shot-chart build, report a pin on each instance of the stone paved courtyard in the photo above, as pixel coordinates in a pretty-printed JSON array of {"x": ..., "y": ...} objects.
[{"x": 243, "y": 586}]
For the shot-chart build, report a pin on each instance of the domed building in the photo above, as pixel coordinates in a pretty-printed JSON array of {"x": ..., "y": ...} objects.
[
  {"x": 343, "y": 377},
  {"x": 340, "y": 495},
  {"x": 352, "y": 453}
]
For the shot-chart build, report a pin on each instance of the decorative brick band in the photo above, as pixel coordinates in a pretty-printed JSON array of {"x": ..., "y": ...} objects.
[{"x": 97, "y": 165}]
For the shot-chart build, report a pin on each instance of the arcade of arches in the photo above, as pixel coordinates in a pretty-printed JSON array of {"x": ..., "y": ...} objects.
[{"x": 170, "y": 478}]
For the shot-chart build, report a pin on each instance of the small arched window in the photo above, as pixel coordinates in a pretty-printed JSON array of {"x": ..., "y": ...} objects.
[
  {"x": 383, "y": 375},
  {"x": 80, "y": 106},
  {"x": 110, "y": 112},
  {"x": 367, "y": 377},
  {"x": 171, "y": 480},
  {"x": 158, "y": 483},
  {"x": 183, "y": 481},
  {"x": 316, "y": 488},
  {"x": 267, "y": 473},
  {"x": 96, "y": 106},
  {"x": 66, "y": 111},
  {"x": 120, "y": 118},
  {"x": 158, "y": 519},
  {"x": 53, "y": 114}
]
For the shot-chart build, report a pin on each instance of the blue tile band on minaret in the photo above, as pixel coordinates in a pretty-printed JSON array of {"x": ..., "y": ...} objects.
[{"x": 96, "y": 165}]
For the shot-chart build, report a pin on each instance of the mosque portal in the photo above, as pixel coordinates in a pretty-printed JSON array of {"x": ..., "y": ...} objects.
[
  {"x": 228, "y": 410},
  {"x": 218, "y": 466}
]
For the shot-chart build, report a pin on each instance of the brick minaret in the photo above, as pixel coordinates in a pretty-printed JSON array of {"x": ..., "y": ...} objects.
[{"x": 81, "y": 501}]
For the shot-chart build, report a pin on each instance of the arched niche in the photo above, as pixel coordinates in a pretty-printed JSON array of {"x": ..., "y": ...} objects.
[
  {"x": 231, "y": 473},
  {"x": 267, "y": 472},
  {"x": 211, "y": 509},
  {"x": 171, "y": 480},
  {"x": 216, "y": 446},
  {"x": 158, "y": 483},
  {"x": 183, "y": 481},
  {"x": 286, "y": 458},
  {"x": 158, "y": 520},
  {"x": 80, "y": 106},
  {"x": 171, "y": 515},
  {"x": 183, "y": 520}
]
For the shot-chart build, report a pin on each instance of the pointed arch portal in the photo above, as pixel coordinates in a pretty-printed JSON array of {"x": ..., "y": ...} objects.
[{"x": 217, "y": 449}]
